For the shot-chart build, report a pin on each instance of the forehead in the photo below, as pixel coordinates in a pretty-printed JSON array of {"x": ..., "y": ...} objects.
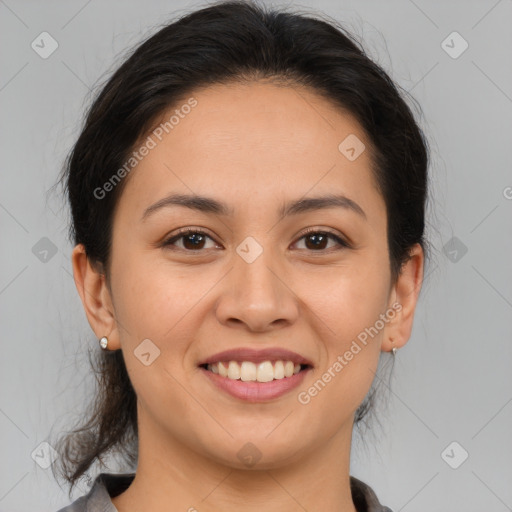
[{"x": 247, "y": 141}]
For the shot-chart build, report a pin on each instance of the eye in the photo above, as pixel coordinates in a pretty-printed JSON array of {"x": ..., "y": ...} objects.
[
  {"x": 316, "y": 240},
  {"x": 193, "y": 240}
]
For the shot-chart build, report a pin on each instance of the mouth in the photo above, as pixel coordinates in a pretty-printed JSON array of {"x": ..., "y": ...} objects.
[
  {"x": 248, "y": 371},
  {"x": 255, "y": 375}
]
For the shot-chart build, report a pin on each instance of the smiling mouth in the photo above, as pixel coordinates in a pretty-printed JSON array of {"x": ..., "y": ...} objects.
[{"x": 248, "y": 371}]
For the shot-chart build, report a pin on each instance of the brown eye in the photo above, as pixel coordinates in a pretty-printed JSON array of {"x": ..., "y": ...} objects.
[
  {"x": 191, "y": 240},
  {"x": 318, "y": 240}
]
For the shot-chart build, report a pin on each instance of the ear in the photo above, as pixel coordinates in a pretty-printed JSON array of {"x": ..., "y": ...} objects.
[
  {"x": 404, "y": 295},
  {"x": 96, "y": 299}
]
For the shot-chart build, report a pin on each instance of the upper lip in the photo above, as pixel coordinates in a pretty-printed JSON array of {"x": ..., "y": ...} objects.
[{"x": 256, "y": 356}]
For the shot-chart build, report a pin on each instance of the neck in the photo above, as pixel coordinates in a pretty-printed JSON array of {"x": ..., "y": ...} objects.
[{"x": 190, "y": 481}]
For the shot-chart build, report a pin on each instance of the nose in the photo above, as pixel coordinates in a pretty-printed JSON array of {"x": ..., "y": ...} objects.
[{"x": 256, "y": 296}]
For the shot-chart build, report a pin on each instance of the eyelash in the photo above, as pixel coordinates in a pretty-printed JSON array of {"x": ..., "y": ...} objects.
[{"x": 187, "y": 231}]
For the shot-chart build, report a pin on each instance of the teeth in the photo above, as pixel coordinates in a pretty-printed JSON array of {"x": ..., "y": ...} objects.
[
  {"x": 248, "y": 371},
  {"x": 223, "y": 371},
  {"x": 233, "y": 370},
  {"x": 278, "y": 370},
  {"x": 265, "y": 371}
]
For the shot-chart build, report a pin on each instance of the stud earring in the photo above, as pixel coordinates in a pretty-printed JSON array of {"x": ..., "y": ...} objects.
[
  {"x": 104, "y": 343},
  {"x": 394, "y": 350}
]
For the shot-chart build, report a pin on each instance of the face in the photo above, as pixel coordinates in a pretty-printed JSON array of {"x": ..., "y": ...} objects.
[{"x": 311, "y": 281}]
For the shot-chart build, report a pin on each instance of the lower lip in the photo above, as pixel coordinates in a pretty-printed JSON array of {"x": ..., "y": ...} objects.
[{"x": 253, "y": 391}]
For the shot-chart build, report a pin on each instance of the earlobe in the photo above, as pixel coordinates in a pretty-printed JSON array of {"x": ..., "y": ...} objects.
[
  {"x": 95, "y": 295},
  {"x": 405, "y": 293}
]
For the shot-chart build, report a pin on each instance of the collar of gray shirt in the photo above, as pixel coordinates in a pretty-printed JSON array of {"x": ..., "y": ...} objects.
[{"x": 110, "y": 485}]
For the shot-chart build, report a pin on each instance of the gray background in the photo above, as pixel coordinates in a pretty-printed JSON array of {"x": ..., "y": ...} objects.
[{"x": 452, "y": 381}]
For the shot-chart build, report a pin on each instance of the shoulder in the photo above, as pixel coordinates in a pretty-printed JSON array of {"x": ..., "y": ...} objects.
[
  {"x": 106, "y": 486},
  {"x": 364, "y": 498}
]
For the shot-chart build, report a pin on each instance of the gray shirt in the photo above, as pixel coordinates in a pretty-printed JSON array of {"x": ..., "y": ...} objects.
[{"x": 110, "y": 485}]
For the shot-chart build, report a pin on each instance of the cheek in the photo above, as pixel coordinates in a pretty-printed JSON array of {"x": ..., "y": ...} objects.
[
  {"x": 348, "y": 312},
  {"x": 155, "y": 305},
  {"x": 347, "y": 299},
  {"x": 153, "y": 297},
  {"x": 347, "y": 306}
]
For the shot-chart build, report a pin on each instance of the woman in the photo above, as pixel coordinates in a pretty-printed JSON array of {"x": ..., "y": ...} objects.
[{"x": 247, "y": 198}]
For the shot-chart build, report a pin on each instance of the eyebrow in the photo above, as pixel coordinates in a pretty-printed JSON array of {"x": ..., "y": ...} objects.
[{"x": 210, "y": 205}]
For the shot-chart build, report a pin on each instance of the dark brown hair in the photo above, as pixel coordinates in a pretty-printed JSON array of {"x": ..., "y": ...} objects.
[{"x": 221, "y": 43}]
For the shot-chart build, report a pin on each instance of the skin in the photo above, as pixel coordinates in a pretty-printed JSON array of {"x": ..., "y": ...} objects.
[{"x": 253, "y": 146}]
